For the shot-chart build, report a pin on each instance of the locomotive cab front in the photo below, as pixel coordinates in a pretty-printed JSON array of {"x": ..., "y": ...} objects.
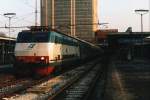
[{"x": 32, "y": 52}]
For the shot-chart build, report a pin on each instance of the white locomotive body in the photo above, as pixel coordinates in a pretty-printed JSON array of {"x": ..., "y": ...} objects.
[{"x": 45, "y": 52}]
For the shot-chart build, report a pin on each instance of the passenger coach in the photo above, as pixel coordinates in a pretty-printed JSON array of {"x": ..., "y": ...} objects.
[{"x": 6, "y": 49}]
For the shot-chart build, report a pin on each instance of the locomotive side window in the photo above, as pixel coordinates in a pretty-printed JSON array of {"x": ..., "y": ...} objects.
[
  {"x": 62, "y": 39},
  {"x": 52, "y": 38},
  {"x": 57, "y": 39}
]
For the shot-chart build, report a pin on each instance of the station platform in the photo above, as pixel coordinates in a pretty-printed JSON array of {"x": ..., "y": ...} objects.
[{"x": 128, "y": 80}]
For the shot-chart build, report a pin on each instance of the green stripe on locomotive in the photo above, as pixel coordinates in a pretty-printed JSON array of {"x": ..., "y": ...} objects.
[{"x": 62, "y": 39}]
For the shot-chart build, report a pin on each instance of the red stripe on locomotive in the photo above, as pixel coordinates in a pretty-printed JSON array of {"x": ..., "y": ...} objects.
[
  {"x": 33, "y": 59},
  {"x": 44, "y": 70}
]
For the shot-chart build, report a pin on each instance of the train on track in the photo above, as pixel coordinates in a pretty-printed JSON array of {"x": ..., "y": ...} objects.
[
  {"x": 43, "y": 51},
  {"x": 7, "y": 45}
]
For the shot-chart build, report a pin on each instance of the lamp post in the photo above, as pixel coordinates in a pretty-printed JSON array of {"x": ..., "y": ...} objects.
[
  {"x": 36, "y": 13},
  {"x": 9, "y": 16},
  {"x": 141, "y": 12},
  {"x": 149, "y": 16}
]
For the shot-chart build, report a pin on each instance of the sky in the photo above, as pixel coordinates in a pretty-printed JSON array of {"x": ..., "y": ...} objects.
[
  {"x": 118, "y": 13},
  {"x": 24, "y": 10}
]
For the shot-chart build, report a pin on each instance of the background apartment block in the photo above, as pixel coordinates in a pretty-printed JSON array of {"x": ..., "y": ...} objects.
[{"x": 73, "y": 17}]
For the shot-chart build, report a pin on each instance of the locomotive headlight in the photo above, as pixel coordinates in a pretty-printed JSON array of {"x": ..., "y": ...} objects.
[{"x": 42, "y": 58}]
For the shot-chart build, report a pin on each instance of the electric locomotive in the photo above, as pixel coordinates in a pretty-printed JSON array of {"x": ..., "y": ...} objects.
[{"x": 44, "y": 52}]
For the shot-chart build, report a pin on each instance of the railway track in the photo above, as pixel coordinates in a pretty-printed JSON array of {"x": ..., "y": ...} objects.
[
  {"x": 13, "y": 87},
  {"x": 8, "y": 83},
  {"x": 10, "y": 86},
  {"x": 18, "y": 86},
  {"x": 51, "y": 88},
  {"x": 80, "y": 90}
]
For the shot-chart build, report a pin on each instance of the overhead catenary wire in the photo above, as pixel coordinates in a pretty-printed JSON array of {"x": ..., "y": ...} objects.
[
  {"x": 26, "y": 15},
  {"x": 23, "y": 18},
  {"x": 22, "y": 22},
  {"x": 26, "y": 2}
]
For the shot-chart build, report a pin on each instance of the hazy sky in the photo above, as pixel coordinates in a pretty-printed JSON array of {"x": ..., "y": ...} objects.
[
  {"x": 24, "y": 10},
  {"x": 118, "y": 13}
]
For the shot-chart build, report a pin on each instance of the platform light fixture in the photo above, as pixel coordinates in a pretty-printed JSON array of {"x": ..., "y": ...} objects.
[
  {"x": 9, "y": 16},
  {"x": 141, "y": 12}
]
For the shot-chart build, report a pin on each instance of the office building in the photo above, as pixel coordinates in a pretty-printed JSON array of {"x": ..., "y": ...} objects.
[{"x": 74, "y": 17}]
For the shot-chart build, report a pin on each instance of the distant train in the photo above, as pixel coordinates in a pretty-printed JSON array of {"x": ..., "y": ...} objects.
[
  {"x": 6, "y": 49},
  {"x": 43, "y": 52}
]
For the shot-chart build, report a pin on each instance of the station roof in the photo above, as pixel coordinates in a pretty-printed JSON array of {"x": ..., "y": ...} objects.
[
  {"x": 128, "y": 33},
  {"x": 7, "y": 38},
  {"x": 128, "y": 37}
]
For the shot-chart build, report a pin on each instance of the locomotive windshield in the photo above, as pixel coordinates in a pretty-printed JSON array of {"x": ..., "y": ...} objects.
[{"x": 25, "y": 37}]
